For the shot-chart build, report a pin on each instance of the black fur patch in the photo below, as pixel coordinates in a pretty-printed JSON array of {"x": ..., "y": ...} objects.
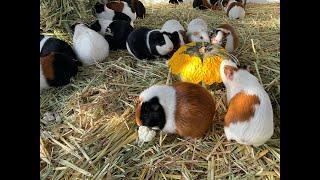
[
  {"x": 137, "y": 43},
  {"x": 174, "y": 37},
  {"x": 121, "y": 16},
  {"x": 120, "y": 30},
  {"x": 156, "y": 38},
  {"x": 140, "y": 10},
  {"x": 95, "y": 26},
  {"x": 174, "y": 2},
  {"x": 152, "y": 113},
  {"x": 41, "y": 37},
  {"x": 98, "y": 8},
  {"x": 64, "y": 67},
  {"x": 57, "y": 46},
  {"x": 198, "y": 4}
]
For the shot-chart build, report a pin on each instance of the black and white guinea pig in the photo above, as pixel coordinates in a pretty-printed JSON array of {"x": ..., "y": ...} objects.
[
  {"x": 56, "y": 69},
  {"x": 205, "y": 4},
  {"x": 89, "y": 46},
  {"x": 197, "y": 31},
  {"x": 101, "y": 11},
  {"x": 118, "y": 32},
  {"x": 249, "y": 118},
  {"x": 145, "y": 43},
  {"x": 50, "y": 44},
  {"x": 101, "y": 25},
  {"x": 226, "y": 36},
  {"x": 186, "y": 109},
  {"x": 235, "y": 9},
  {"x": 172, "y": 26},
  {"x": 175, "y": 1}
]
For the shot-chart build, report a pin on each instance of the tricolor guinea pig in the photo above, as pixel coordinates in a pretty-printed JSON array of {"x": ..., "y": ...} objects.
[
  {"x": 184, "y": 108},
  {"x": 172, "y": 26},
  {"x": 89, "y": 46},
  {"x": 56, "y": 69},
  {"x": 205, "y": 4},
  {"x": 137, "y": 7},
  {"x": 101, "y": 11},
  {"x": 249, "y": 118},
  {"x": 118, "y": 32},
  {"x": 235, "y": 9},
  {"x": 145, "y": 43},
  {"x": 226, "y": 36},
  {"x": 197, "y": 31}
]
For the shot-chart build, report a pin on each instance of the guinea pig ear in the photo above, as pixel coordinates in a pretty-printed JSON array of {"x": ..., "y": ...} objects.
[{"x": 229, "y": 71}]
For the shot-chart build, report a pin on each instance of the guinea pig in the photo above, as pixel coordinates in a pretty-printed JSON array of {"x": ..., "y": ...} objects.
[
  {"x": 136, "y": 7},
  {"x": 205, "y": 4},
  {"x": 123, "y": 7},
  {"x": 118, "y": 32},
  {"x": 235, "y": 9},
  {"x": 145, "y": 43},
  {"x": 197, "y": 31},
  {"x": 89, "y": 46},
  {"x": 56, "y": 69},
  {"x": 183, "y": 108},
  {"x": 249, "y": 118},
  {"x": 173, "y": 25},
  {"x": 226, "y": 36},
  {"x": 50, "y": 44},
  {"x": 101, "y": 11},
  {"x": 100, "y": 26}
]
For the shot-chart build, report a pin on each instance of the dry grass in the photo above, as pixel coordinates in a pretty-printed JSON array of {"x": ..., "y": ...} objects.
[{"x": 95, "y": 137}]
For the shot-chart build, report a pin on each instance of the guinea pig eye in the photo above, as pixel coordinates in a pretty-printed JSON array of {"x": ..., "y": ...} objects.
[{"x": 201, "y": 37}]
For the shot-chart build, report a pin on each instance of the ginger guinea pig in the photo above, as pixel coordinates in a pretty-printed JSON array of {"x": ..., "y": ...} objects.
[
  {"x": 184, "y": 108},
  {"x": 249, "y": 118}
]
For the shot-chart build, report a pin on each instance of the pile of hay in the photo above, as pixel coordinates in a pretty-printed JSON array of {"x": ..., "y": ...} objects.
[{"x": 93, "y": 134}]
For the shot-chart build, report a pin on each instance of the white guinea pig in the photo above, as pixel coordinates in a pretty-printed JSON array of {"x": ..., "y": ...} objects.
[
  {"x": 235, "y": 9},
  {"x": 184, "y": 108},
  {"x": 249, "y": 118},
  {"x": 89, "y": 46},
  {"x": 197, "y": 31},
  {"x": 226, "y": 36},
  {"x": 145, "y": 43}
]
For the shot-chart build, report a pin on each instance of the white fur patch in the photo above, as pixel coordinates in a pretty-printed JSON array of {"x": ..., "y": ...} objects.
[
  {"x": 43, "y": 81},
  {"x": 236, "y": 12},
  {"x": 43, "y": 40},
  {"x": 106, "y": 14},
  {"x": 89, "y": 46},
  {"x": 229, "y": 44},
  {"x": 127, "y": 10},
  {"x": 167, "y": 99},
  {"x": 166, "y": 48},
  {"x": 218, "y": 38},
  {"x": 104, "y": 23}
]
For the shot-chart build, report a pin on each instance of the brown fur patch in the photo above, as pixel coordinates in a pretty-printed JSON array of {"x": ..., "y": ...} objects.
[
  {"x": 115, "y": 5},
  {"x": 241, "y": 108},
  {"x": 47, "y": 66},
  {"x": 231, "y": 5},
  {"x": 195, "y": 109},
  {"x": 138, "y": 112},
  {"x": 235, "y": 36},
  {"x": 229, "y": 70},
  {"x": 208, "y": 5}
]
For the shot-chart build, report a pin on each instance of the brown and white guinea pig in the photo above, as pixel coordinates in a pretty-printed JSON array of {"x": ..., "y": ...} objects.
[
  {"x": 145, "y": 43},
  {"x": 205, "y": 4},
  {"x": 56, "y": 69},
  {"x": 249, "y": 118},
  {"x": 197, "y": 31},
  {"x": 184, "y": 108},
  {"x": 235, "y": 9},
  {"x": 101, "y": 11},
  {"x": 123, "y": 7},
  {"x": 89, "y": 46},
  {"x": 137, "y": 7},
  {"x": 172, "y": 26},
  {"x": 226, "y": 36}
]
